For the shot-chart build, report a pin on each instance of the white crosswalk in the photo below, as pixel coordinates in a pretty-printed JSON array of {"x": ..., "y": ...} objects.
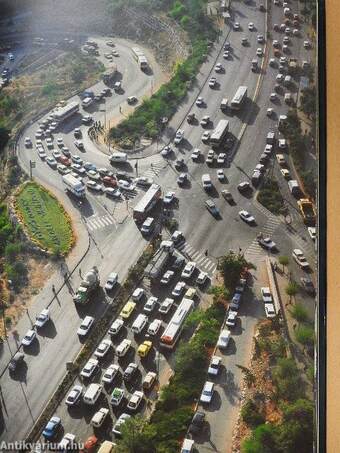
[
  {"x": 96, "y": 223},
  {"x": 255, "y": 249},
  {"x": 157, "y": 165},
  {"x": 200, "y": 259}
]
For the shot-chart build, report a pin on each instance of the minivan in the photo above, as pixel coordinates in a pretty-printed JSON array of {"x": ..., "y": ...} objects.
[
  {"x": 92, "y": 394},
  {"x": 148, "y": 225},
  {"x": 118, "y": 157},
  {"x": 139, "y": 323},
  {"x": 206, "y": 182}
]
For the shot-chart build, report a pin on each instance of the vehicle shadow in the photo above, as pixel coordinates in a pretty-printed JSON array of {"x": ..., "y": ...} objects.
[
  {"x": 49, "y": 330},
  {"x": 230, "y": 387}
]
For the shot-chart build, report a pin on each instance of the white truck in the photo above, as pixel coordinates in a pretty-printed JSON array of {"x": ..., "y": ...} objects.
[{"x": 74, "y": 186}]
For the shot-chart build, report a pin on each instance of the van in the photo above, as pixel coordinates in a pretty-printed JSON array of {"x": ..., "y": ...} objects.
[
  {"x": 106, "y": 447},
  {"x": 139, "y": 323},
  {"x": 92, "y": 394},
  {"x": 206, "y": 182},
  {"x": 118, "y": 157},
  {"x": 294, "y": 187},
  {"x": 148, "y": 225},
  {"x": 224, "y": 104},
  {"x": 149, "y": 380}
]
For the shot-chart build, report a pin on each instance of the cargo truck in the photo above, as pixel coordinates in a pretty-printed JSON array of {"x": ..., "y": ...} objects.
[
  {"x": 87, "y": 287},
  {"x": 160, "y": 259},
  {"x": 307, "y": 211},
  {"x": 74, "y": 186}
]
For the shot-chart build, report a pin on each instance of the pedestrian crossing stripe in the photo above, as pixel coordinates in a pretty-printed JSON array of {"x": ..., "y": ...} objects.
[
  {"x": 201, "y": 260},
  {"x": 100, "y": 222}
]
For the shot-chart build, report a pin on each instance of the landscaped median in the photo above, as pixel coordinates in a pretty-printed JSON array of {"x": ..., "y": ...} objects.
[{"x": 43, "y": 218}]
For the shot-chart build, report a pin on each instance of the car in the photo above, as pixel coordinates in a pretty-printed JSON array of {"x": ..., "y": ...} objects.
[
  {"x": 236, "y": 26},
  {"x": 118, "y": 425},
  {"x": 276, "y": 44},
  {"x": 150, "y": 304},
  {"x": 280, "y": 78},
  {"x": 235, "y": 301},
  {"x": 285, "y": 48},
  {"x": 109, "y": 181},
  {"x": 273, "y": 97},
  {"x": 110, "y": 373},
  {"x": 116, "y": 326},
  {"x": 135, "y": 400},
  {"x": 197, "y": 423},
  {"x": 202, "y": 278},
  {"x": 269, "y": 310},
  {"x": 169, "y": 197},
  {"x": 191, "y": 118},
  {"x": 154, "y": 327},
  {"x": 244, "y": 41},
  {"x": 93, "y": 185},
  {"x": 218, "y": 67},
  {"x": 15, "y": 361},
  {"x": 125, "y": 185},
  {"x": 306, "y": 44},
  {"x": 283, "y": 60},
  {"x": 226, "y": 45},
  {"x": 42, "y": 318},
  {"x": 112, "y": 193},
  {"x": 244, "y": 187},
  {"x": 130, "y": 372},
  {"x": 212, "y": 208},
  {"x": 127, "y": 310},
  {"x": 199, "y": 101},
  {"x": 52, "y": 428},
  {"x": 111, "y": 281},
  {"x": 28, "y": 142},
  {"x": 39, "y": 134},
  {"x": 86, "y": 119},
  {"x": 92, "y": 174},
  {"x": 220, "y": 174},
  {"x": 76, "y": 159},
  {"x": 212, "y": 82},
  {"x": 51, "y": 162},
  {"x": 241, "y": 286},
  {"x": 285, "y": 173},
  {"x": 178, "y": 289},
  {"x": 246, "y": 217},
  {"x": 260, "y": 39},
  {"x": 260, "y": 167},
  {"x": 312, "y": 233},
  {"x": 99, "y": 417},
  {"x": 79, "y": 144},
  {"x": 207, "y": 392},
  {"x": 182, "y": 179},
  {"x": 123, "y": 347},
  {"x": 144, "y": 348},
  {"x": 259, "y": 52},
  {"x": 144, "y": 181},
  {"x": 210, "y": 157},
  {"x": 251, "y": 26},
  {"x": 300, "y": 259},
  {"x": 277, "y": 2},
  {"x": 286, "y": 40},
  {"x": 167, "y": 277},
  {"x": 28, "y": 339},
  {"x": 89, "y": 166},
  {"x": 308, "y": 285},
  {"x": 226, "y": 54},
  {"x": 296, "y": 31},
  {"x": 85, "y": 326},
  {"x": 117, "y": 396},
  {"x": 266, "y": 295},
  {"x": 272, "y": 62},
  {"x": 223, "y": 339},
  {"x": 115, "y": 53},
  {"x": 266, "y": 242},
  {"x": 166, "y": 305},
  {"x": 205, "y": 121},
  {"x": 196, "y": 154},
  {"x": 231, "y": 318},
  {"x": 177, "y": 237},
  {"x": 179, "y": 136},
  {"x": 188, "y": 270},
  {"x": 132, "y": 100},
  {"x": 90, "y": 368},
  {"x": 215, "y": 365},
  {"x": 190, "y": 293},
  {"x": 103, "y": 348},
  {"x": 221, "y": 158},
  {"x": 138, "y": 294},
  {"x": 166, "y": 151},
  {"x": 179, "y": 163},
  {"x": 74, "y": 395}
]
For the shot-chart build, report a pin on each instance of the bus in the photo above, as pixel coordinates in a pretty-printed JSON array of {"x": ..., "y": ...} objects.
[
  {"x": 239, "y": 98},
  {"x": 147, "y": 203},
  {"x": 140, "y": 58},
  {"x": 64, "y": 112},
  {"x": 175, "y": 326},
  {"x": 220, "y": 132}
]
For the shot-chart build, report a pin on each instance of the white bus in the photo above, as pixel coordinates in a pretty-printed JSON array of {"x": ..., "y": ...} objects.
[
  {"x": 239, "y": 98},
  {"x": 64, "y": 112},
  {"x": 147, "y": 202},
  {"x": 220, "y": 132},
  {"x": 175, "y": 326},
  {"x": 140, "y": 58}
]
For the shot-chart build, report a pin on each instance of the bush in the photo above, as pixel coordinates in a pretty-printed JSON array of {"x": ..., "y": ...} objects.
[
  {"x": 287, "y": 380},
  {"x": 12, "y": 251},
  {"x": 270, "y": 196},
  {"x": 299, "y": 313},
  {"x": 251, "y": 415},
  {"x": 305, "y": 335}
]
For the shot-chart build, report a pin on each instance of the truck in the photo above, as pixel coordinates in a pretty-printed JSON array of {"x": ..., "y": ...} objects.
[
  {"x": 307, "y": 211},
  {"x": 87, "y": 286},
  {"x": 158, "y": 262},
  {"x": 74, "y": 186}
]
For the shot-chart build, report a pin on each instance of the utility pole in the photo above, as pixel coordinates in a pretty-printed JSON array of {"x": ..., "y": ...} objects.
[{"x": 32, "y": 165}]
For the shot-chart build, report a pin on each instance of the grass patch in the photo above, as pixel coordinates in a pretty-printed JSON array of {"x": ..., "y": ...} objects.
[
  {"x": 44, "y": 218},
  {"x": 270, "y": 196}
]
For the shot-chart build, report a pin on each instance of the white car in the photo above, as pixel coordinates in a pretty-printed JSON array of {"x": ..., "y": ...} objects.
[
  {"x": 89, "y": 369},
  {"x": 60, "y": 142},
  {"x": 220, "y": 174},
  {"x": 272, "y": 62},
  {"x": 283, "y": 60},
  {"x": 76, "y": 159},
  {"x": 49, "y": 143},
  {"x": 202, "y": 278},
  {"x": 207, "y": 392},
  {"x": 121, "y": 420},
  {"x": 99, "y": 417},
  {"x": 205, "y": 121},
  {"x": 266, "y": 242},
  {"x": 259, "y": 52},
  {"x": 125, "y": 185},
  {"x": 266, "y": 295},
  {"x": 246, "y": 217},
  {"x": 231, "y": 318},
  {"x": 205, "y": 136},
  {"x": 167, "y": 277},
  {"x": 51, "y": 162},
  {"x": 268, "y": 149},
  {"x": 251, "y": 26},
  {"x": 280, "y": 78},
  {"x": 199, "y": 101},
  {"x": 29, "y": 338},
  {"x": 42, "y": 318},
  {"x": 260, "y": 167},
  {"x": 166, "y": 151},
  {"x": 196, "y": 154},
  {"x": 110, "y": 373},
  {"x": 286, "y": 40},
  {"x": 285, "y": 173},
  {"x": 189, "y": 269},
  {"x": 74, "y": 395},
  {"x": 306, "y": 44},
  {"x": 150, "y": 304},
  {"x": 276, "y": 44},
  {"x": 117, "y": 396},
  {"x": 241, "y": 286},
  {"x": 212, "y": 82},
  {"x": 270, "y": 112},
  {"x": 223, "y": 339},
  {"x": 169, "y": 197},
  {"x": 116, "y": 326},
  {"x": 103, "y": 348},
  {"x": 260, "y": 39},
  {"x": 112, "y": 192},
  {"x": 67, "y": 443},
  {"x": 269, "y": 310},
  {"x": 28, "y": 142},
  {"x": 123, "y": 347},
  {"x": 282, "y": 143},
  {"x": 85, "y": 326},
  {"x": 210, "y": 157},
  {"x": 178, "y": 289},
  {"x": 138, "y": 294},
  {"x": 93, "y": 185},
  {"x": 215, "y": 365},
  {"x": 312, "y": 233},
  {"x": 154, "y": 327},
  {"x": 300, "y": 259},
  {"x": 179, "y": 136},
  {"x": 226, "y": 54},
  {"x": 92, "y": 174},
  {"x": 218, "y": 67},
  {"x": 135, "y": 400},
  {"x": 273, "y": 96},
  {"x": 111, "y": 281},
  {"x": 167, "y": 304},
  {"x": 236, "y": 26},
  {"x": 221, "y": 158}
]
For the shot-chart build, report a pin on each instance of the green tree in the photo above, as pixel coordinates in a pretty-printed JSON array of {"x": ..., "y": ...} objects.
[
  {"x": 219, "y": 292},
  {"x": 291, "y": 290},
  {"x": 137, "y": 437},
  {"x": 251, "y": 414},
  {"x": 232, "y": 265},
  {"x": 299, "y": 313},
  {"x": 308, "y": 101},
  {"x": 4, "y": 137},
  {"x": 264, "y": 439},
  {"x": 287, "y": 379},
  {"x": 284, "y": 261}
]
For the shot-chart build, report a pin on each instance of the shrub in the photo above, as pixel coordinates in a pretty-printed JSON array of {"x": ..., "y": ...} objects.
[
  {"x": 12, "y": 250},
  {"x": 299, "y": 313},
  {"x": 270, "y": 196},
  {"x": 251, "y": 415},
  {"x": 287, "y": 380},
  {"x": 305, "y": 335}
]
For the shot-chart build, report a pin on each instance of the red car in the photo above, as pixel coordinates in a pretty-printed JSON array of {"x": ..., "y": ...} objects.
[
  {"x": 109, "y": 181},
  {"x": 90, "y": 445},
  {"x": 64, "y": 160}
]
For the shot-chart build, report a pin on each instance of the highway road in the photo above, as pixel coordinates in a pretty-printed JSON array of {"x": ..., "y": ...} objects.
[{"x": 117, "y": 245}]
